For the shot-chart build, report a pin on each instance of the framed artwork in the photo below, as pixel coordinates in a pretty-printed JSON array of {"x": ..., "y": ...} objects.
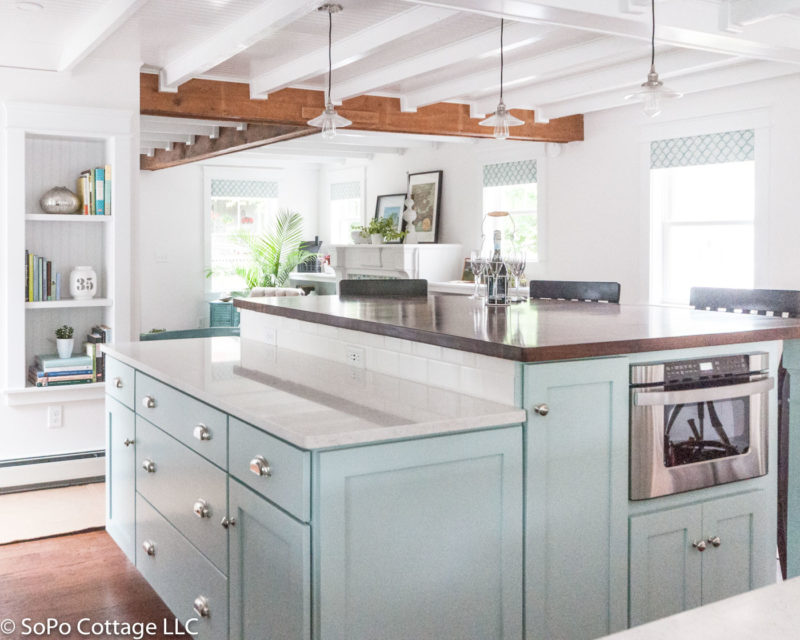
[
  {"x": 425, "y": 189},
  {"x": 391, "y": 207}
]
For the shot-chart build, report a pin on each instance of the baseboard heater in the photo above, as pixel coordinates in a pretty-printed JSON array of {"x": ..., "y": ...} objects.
[{"x": 50, "y": 472}]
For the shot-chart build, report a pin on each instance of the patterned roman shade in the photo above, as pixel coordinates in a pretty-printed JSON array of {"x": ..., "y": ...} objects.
[
  {"x": 345, "y": 190},
  {"x": 713, "y": 148},
  {"x": 243, "y": 189},
  {"x": 508, "y": 173}
]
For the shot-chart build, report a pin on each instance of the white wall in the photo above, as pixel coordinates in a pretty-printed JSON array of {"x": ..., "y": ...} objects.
[{"x": 171, "y": 231}]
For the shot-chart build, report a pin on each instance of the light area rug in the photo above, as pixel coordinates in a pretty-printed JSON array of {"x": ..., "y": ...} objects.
[{"x": 39, "y": 514}]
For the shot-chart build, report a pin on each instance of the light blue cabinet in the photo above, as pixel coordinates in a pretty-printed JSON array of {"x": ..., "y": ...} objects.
[
  {"x": 576, "y": 498},
  {"x": 421, "y": 539},
  {"x": 668, "y": 571},
  {"x": 270, "y": 570},
  {"x": 120, "y": 485}
]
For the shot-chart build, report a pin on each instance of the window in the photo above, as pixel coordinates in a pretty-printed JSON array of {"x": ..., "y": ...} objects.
[
  {"x": 512, "y": 187},
  {"x": 236, "y": 206},
  {"x": 345, "y": 209},
  {"x": 702, "y": 203}
]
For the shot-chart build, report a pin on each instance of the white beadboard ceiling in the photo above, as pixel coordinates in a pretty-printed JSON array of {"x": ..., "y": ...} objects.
[{"x": 562, "y": 56}]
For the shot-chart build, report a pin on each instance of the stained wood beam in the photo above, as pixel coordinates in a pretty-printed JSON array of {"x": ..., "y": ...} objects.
[{"x": 214, "y": 100}]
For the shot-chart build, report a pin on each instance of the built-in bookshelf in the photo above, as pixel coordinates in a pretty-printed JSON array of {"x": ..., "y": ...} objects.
[{"x": 49, "y": 146}]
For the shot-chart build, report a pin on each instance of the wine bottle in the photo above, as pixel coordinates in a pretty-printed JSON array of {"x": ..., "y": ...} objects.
[{"x": 498, "y": 281}]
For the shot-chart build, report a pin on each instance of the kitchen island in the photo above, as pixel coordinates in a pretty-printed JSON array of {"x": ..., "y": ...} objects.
[{"x": 454, "y": 472}]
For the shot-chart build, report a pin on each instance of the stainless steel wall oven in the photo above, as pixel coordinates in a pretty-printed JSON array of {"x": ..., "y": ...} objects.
[{"x": 698, "y": 423}]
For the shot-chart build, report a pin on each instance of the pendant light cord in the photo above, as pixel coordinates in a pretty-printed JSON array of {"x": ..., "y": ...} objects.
[
  {"x": 330, "y": 46},
  {"x": 502, "y": 24},
  {"x": 653, "y": 33}
]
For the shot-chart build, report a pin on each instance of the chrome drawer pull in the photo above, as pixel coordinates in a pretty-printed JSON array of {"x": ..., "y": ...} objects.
[
  {"x": 700, "y": 546},
  {"x": 228, "y": 522},
  {"x": 201, "y": 509},
  {"x": 149, "y": 402},
  {"x": 542, "y": 409},
  {"x": 148, "y": 465},
  {"x": 149, "y": 547},
  {"x": 118, "y": 383},
  {"x": 260, "y": 466},
  {"x": 128, "y": 442},
  {"x": 201, "y": 607},
  {"x": 201, "y": 432},
  {"x": 715, "y": 541}
]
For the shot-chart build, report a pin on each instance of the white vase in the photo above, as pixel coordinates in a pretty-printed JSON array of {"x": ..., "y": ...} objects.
[
  {"x": 64, "y": 346},
  {"x": 82, "y": 283},
  {"x": 376, "y": 238}
]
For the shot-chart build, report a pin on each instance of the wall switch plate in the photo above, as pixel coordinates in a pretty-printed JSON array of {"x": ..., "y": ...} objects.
[
  {"x": 54, "y": 416},
  {"x": 271, "y": 335},
  {"x": 354, "y": 356}
]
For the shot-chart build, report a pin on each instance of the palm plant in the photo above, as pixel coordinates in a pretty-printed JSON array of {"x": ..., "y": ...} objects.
[{"x": 274, "y": 253}]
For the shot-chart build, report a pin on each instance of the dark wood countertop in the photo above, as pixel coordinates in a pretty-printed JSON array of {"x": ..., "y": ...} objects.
[{"x": 534, "y": 331}]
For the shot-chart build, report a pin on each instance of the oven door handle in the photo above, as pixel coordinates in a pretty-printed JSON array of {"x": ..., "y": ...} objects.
[{"x": 706, "y": 394}]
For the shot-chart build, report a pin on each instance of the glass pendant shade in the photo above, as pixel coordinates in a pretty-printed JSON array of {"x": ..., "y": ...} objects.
[
  {"x": 501, "y": 120},
  {"x": 652, "y": 93},
  {"x": 328, "y": 121}
]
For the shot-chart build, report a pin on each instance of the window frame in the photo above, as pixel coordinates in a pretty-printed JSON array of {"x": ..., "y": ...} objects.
[
  {"x": 339, "y": 176},
  {"x": 652, "y": 230}
]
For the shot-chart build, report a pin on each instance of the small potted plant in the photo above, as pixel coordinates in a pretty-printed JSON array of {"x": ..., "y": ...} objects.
[
  {"x": 358, "y": 233},
  {"x": 378, "y": 228},
  {"x": 64, "y": 341}
]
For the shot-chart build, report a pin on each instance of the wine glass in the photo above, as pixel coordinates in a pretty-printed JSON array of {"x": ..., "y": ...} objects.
[
  {"x": 517, "y": 268},
  {"x": 478, "y": 266}
]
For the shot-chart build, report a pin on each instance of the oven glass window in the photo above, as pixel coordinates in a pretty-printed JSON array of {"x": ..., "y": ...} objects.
[{"x": 706, "y": 431}]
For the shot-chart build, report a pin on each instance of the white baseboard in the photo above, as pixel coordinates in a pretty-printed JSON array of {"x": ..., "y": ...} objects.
[{"x": 51, "y": 473}]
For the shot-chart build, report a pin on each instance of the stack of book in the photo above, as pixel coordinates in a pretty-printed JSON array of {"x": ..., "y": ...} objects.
[
  {"x": 51, "y": 371},
  {"x": 41, "y": 281},
  {"x": 98, "y": 334},
  {"x": 94, "y": 190}
]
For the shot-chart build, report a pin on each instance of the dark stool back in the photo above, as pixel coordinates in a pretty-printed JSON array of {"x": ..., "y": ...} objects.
[
  {"x": 782, "y": 303},
  {"x": 383, "y": 288},
  {"x": 575, "y": 290}
]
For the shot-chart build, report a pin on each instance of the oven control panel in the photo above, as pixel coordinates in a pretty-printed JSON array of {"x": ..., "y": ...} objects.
[{"x": 718, "y": 367}]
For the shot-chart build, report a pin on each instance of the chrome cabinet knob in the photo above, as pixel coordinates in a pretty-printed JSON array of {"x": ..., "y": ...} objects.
[
  {"x": 700, "y": 546},
  {"x": 118, "y": 383},
  {"x": 201, "y": 607},
  {"x": 228, "y": 522},
  {"x": 128, "y": 442},
  {"x": 149, "y": 547},
  {"x": 148, "y": 465},
  {"x": 715, "y": 541},
  {"x": 201, "y": 432},
  {"x": 260, "y": 466},
  {"x": 542, "y": 409},
  {"x": 149, "y": 402},
  {"x": 201, "y": 509}
]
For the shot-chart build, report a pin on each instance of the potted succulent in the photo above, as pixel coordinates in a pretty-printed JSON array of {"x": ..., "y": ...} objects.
[{"x": 64, "y": 341}]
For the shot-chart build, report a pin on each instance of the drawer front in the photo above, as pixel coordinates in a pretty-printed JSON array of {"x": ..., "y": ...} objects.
[
  {"x": 120, "y": 381},
  {"x": 288, "y": 481},
  {"x": 194, "y": 423},
  {"x": 180, "y": 574},
  {"x": 178, "y": 482}
]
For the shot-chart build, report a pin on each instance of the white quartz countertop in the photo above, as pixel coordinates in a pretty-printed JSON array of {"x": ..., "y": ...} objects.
[
  {"x": 769, "y": 613},
  {"x": 309, "y": 402}
]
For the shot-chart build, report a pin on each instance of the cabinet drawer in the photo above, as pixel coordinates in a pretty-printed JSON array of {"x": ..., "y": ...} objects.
[
  {"x": 179, "y": 482},
  {"x": 194, "y": 423},
  {"x": 119, "y": 381},
  {"x": 287, "y": 482},
  {"x": 180, "y": 574}
]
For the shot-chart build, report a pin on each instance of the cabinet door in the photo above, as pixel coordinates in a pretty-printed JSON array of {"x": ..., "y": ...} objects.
[
  {"x": 120, "y": 476},
  {"x": 422, "y": 539},
  {"x": 745, "y": 557},
  {"x": 577, "y": 492},
  {"x": 665, "y": 567},
  {"x": 270, "y": 570}
]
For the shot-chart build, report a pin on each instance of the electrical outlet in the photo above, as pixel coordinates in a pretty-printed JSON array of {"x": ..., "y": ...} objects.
[
  {"x": 271, "y": 335},
  {"x": 354, "y": 356},
  {"x": 54, "y": 416}
]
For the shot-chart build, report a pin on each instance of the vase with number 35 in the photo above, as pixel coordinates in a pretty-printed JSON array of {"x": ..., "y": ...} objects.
[{"x": 82, "y": 283}]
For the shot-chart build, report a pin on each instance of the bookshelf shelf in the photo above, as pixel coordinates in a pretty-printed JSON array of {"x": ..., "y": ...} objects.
[
  {"x": 63, "y": 393},
  {"x": 62, "y": 217},
  {"x": 69, "y": 303}
]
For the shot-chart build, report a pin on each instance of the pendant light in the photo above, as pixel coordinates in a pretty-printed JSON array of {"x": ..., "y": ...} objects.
[
  {"x": 653, "y": 91},
  {"x": 328, "y": 120},
  {"x": 501, "y": 120}
]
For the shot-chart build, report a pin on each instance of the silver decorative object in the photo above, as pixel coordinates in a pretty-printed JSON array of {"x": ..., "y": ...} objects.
[{"x": 60, "y": 200}]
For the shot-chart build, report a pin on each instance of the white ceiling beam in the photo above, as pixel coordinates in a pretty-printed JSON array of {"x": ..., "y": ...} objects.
[
  {"x": 345, "y": 148},
  {"x": 198, "y": 122},
  {"x": 347, "y": 50},
  {"x": 735, "y": 14},
  {"x": 397, "y": 139},
  {"x": 516, "y": 34},
  {"x": 669, "y": 65},
  {"x": 708, "y": 80},
  {"x": 692, "y": 24},
  {"x": 242, "y": 33},
  {"x": 148, "y": 137},
  {"x": 559, "y": 61},
  {"x": 101, "y": 22},
  {"x": 318, "y": 152}
]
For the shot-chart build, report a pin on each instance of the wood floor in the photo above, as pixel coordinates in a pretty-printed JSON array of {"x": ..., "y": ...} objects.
[{"x": 73, "y": 577}]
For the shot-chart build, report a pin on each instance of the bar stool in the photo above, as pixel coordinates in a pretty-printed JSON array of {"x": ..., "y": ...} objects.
[
  {"x": 384, "y": 288},
  {"x": 575, "y": 290}
]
